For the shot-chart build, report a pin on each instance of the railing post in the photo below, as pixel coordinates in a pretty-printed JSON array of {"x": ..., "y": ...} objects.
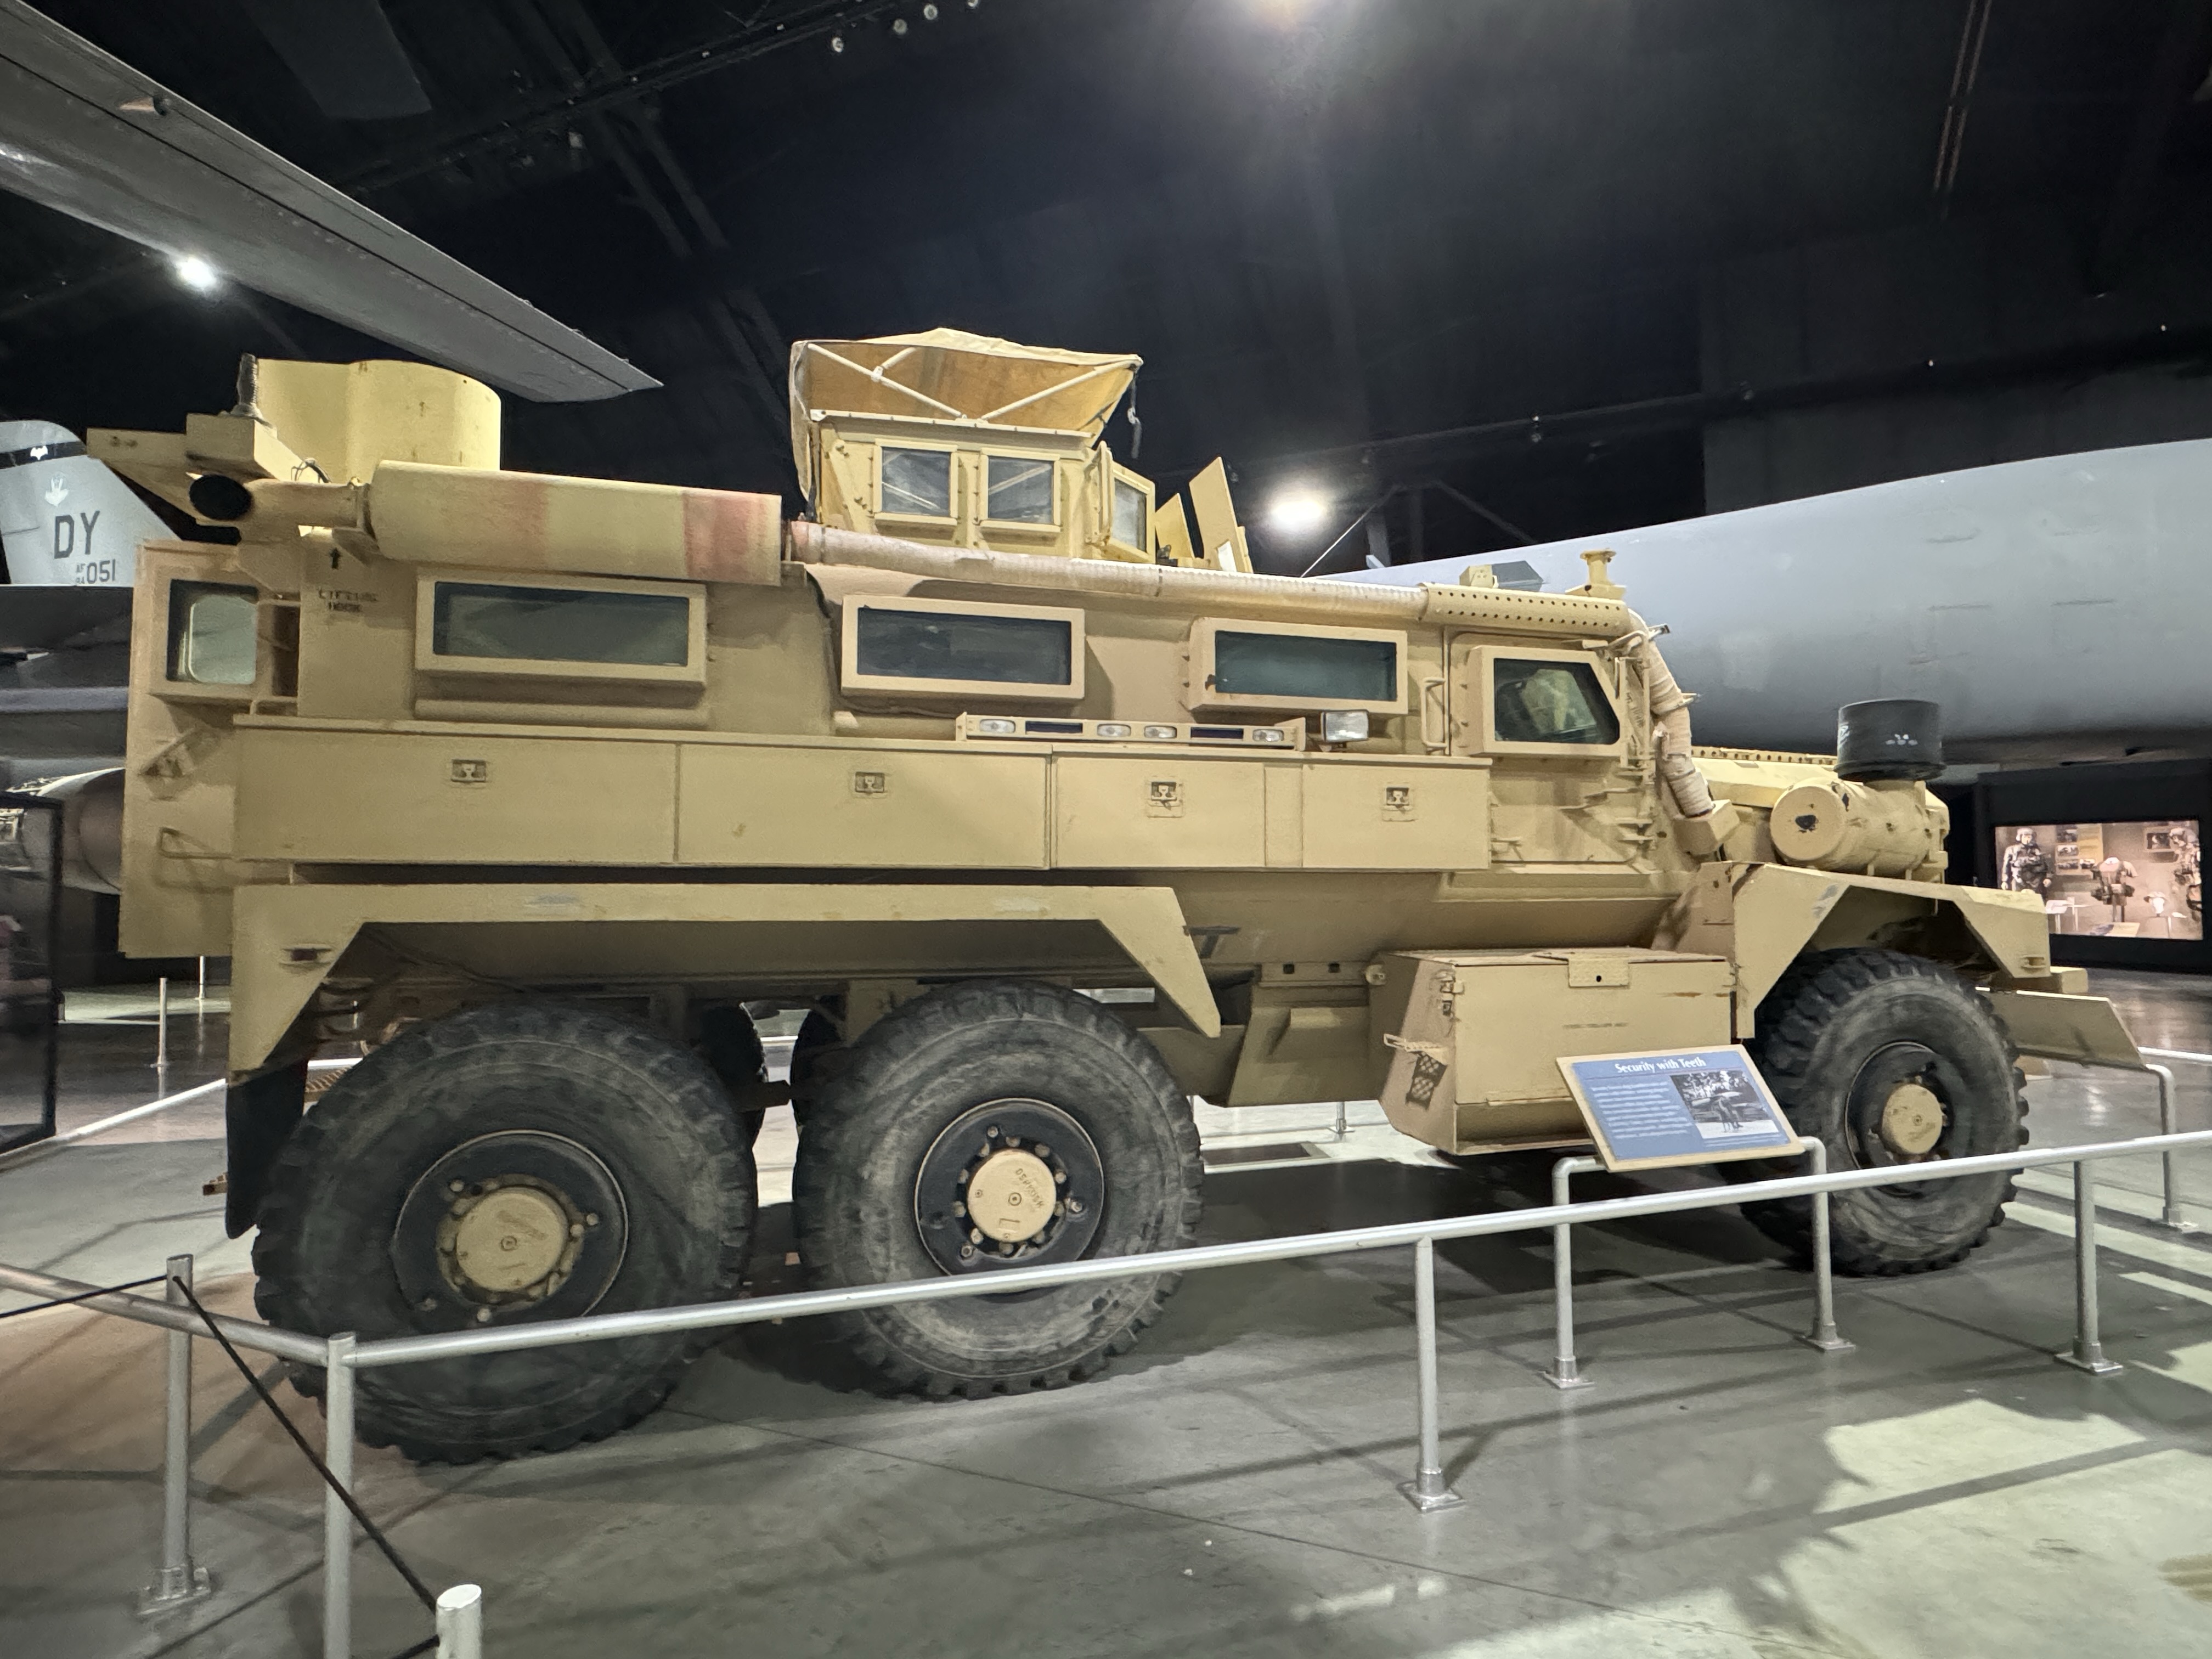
[
  {"x": 460, "y": 1623},
  {"x": 2172, "y": 1217},
  {"x": 179, "y": 1582},
  {"x": 1341, "y": 1126},
  {"x": 337, "y": 1520},
  {"x": 2087, "y": 1353},
  {"x": 1566, "y": 1369},
  {"x": 1427, "y": 1488},
  {"x": 161, "y": 1038},
  {"x": 1823, "y": 1335}
]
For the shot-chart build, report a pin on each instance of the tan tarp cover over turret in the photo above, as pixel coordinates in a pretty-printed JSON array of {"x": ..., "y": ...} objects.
[{"x": 948, "y": 375}]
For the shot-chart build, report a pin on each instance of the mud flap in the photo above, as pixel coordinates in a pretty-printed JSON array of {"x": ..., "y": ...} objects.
[{"x": 259, "y": 1112}]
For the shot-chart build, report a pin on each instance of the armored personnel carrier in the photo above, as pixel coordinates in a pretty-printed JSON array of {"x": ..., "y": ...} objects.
[{"x": 543, "y": 788}]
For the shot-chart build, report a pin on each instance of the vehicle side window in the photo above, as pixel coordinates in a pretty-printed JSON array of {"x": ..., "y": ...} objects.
[
  {"x": 1305, "y": 666},
  {"x": 211, "y": 633},
  {"x": 918, "y": 481},
  {"x": 914, "y": 645},
  {"x": 1019, "y": 491},
  {"x": 560, "y": 625},
  {"x": 1551, "y": 702},
  {"x": 1129, "y": 515}
]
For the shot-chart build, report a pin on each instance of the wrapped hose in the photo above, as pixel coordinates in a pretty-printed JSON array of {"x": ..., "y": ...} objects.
[{"x": 1670, "y": 715}]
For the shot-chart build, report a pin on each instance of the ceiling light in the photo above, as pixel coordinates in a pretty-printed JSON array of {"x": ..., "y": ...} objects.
[
  {"x": 1296, "y": 512},
  {"x": 196, "y": 273}
]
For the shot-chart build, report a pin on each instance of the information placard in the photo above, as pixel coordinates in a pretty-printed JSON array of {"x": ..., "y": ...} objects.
[{"x": 1673, "y": 1106}]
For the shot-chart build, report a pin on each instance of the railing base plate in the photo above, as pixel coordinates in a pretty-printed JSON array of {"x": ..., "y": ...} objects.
[
  {"x": 1428, "y": 1502},
  {"x": 173, "y": 1590},
  {"x": 2098, "y": 1366}
]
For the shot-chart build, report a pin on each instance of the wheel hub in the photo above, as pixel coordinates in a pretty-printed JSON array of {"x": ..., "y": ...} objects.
[
  {"x": 1010, "y": 1196},
  {"x": 513, "y": 1238},
  {"x": 1912, "y": 1120},
  {"x": 1009, "y": 1183},
  {"x": 515, "y": 1222}
]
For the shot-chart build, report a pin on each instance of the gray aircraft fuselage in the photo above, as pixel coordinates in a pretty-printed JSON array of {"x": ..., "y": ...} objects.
[{"x": 2056, "y": 608}]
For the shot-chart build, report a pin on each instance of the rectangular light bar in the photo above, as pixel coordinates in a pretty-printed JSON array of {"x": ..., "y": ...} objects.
[{"x": 1046, "y": 728}]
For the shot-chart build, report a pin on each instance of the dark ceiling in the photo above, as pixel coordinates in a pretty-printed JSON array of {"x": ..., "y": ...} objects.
[{"x": 1323, "y": 223}]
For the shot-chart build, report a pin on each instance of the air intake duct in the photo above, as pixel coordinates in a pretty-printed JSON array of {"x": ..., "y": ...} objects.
[{"x": 1889, "y": 740}]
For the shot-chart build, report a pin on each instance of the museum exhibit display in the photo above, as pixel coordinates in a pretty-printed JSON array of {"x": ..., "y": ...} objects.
[
  {"x": 2113, "y": 851},
  {"x": 1121, "y": 826},
  {"x": 1336, "y": 831}
]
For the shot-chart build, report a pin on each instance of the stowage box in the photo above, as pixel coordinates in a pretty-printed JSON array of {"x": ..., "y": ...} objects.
[{"x": 1471, "y": 1038}]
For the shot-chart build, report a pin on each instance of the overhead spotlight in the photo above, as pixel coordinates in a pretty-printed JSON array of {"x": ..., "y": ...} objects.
[
  {"x": 929, "y": 13},
  {"x": 837, "y": 43},
  {"x": 898, "y": 26},
  {"x": 1296, "y": 512},
  {"x": 196, "y": 273}
]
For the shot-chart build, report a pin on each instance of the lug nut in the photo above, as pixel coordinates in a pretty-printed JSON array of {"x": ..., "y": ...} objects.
[
  {"x": 967, "y": 1252},
  {"x": 455, "y": 1187},
  {"x": 975, "y": 1235},
  {"x": 959, "y": 1208},
  {"x": 591, "y": 1221},
  {"x": 1040, "y": 1149},
  {"x": 1075, "y": 1206},
  {"x": 1061, "y": 1175},
  {"x": 483, "y": 1315},
  {"x": 993, "y": 1131}
]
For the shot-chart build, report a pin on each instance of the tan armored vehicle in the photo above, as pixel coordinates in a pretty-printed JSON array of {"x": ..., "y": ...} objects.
[{"x": 544, "y": 786}]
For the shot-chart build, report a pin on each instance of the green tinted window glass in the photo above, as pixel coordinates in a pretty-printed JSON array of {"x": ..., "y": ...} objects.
[
  {"x": 1020, "y": 490},
  {"x": 918, "y": 481},
  {"x": 939, "y": 645},
  {"x": 1551, "y": 702},
  {"x": 560, "y": 624},
  {"x": 1305, "y": 665},
  {"x": 211, "y": 633},
  {"x": 1129, "y": 515}
]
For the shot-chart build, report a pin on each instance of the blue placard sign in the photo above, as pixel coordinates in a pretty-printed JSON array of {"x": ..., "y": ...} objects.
[{"x": 1689, "y": 1106}]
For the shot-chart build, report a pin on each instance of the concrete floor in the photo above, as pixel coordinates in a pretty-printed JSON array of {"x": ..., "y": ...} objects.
[{"x": 1230, "y": 1488}]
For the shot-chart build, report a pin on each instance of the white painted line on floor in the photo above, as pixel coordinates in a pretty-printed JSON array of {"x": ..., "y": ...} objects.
[
  {"x": 2173, "y": 1286},
  {"x": 2145, "y": 1206},
  {"x": 2116, "y": 1241}
]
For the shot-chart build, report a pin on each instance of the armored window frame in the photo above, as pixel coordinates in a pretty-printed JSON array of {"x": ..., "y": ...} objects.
[
  {"x": 1119, "y": 478},
  {"x": 190, "y": 586},
  {"x": 1486, "y": 658},
  {"x": 1041, "y": 528},
  {"x": 692, "y": 671},
  {"x": 1201, "y": 692},
  {"x": 964, "y": 690},
  {"x": 887, "y": 513}
]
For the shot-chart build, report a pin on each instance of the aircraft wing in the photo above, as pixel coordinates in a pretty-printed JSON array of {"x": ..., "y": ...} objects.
[{"x": 86, "y": 134}]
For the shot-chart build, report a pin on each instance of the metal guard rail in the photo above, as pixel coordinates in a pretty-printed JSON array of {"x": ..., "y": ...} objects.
[
  {"x": 706, "y": 1316},
  {"x": 341, "y": 1356}
]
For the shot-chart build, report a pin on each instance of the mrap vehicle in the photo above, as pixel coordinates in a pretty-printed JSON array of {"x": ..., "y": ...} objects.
[{"x": 543, "y": 788}]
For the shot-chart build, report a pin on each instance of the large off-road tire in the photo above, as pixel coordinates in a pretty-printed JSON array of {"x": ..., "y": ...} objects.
[
  {"x": 1888, "y": 1059},
  {"x": 1025, "y": 1091},
  {"x": 730, "y": 1043},
  {"x": 422, "y": 1192},
  {"x": 818, "y": 1049}
]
